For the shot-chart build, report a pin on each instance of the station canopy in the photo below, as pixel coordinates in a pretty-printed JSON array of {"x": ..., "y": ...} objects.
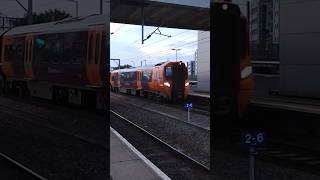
[{"x": 160, "y": 14}]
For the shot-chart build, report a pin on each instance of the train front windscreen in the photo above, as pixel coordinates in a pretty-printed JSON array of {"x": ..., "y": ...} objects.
[{"x": 177, "y": 74}]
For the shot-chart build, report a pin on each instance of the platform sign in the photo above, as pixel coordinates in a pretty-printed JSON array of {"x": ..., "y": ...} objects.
[
  {"x": 189, "y": 106},
  {"x": 253, "y": 139}
]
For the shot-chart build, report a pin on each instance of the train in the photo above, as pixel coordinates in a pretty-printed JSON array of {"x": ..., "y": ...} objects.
[
  {"x": 164, "y": 81},
  {"x": 233, "y": 81},
  {"x": 67, "y": 61},
  {"x": 63, "y": 61}
]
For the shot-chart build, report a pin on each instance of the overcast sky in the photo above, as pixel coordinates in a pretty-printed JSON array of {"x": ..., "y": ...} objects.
[{"x": 125, "y": 44}]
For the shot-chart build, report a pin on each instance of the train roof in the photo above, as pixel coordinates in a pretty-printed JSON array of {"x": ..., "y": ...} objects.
[
  {"x": 144, "y": 67},
  {"x": 65, "y": 25}
]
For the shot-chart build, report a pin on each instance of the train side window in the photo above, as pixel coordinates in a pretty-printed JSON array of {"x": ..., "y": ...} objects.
[
  {"x": 168, "y": 72},
  {"x": 8, "y": 53},
  {"x": 123, "y": 76},
  {"x": 132, "y": 76},
  {"x": 56, "y": 52},
  {"x": 25, "y": 51},
  {"x": 17, "y": 52},
  {"x": 145, "y": 76},
  {"x": 97, "y": 53},
  {"x": 29, "y": 51},
  {"x": 66, "y": 48},
  {"x": 40, "y": 51},
  {"x": 90, "y": 48},
  {"x": 78, "y": 49}
]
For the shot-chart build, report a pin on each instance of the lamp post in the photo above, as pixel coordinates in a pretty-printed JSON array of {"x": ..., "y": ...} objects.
[
  {"x": 77, "y": 6},
  {"x": 176, "y": 52}
]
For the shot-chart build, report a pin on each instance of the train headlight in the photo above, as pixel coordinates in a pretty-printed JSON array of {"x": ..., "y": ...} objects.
[
  {"x": 167, "y": 84},
  {"x": 186, "y": 84},
  {"x": 246, "y": 72}
]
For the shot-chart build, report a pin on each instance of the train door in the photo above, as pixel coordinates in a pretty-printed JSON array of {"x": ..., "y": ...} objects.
[
  {"x": 156, "y": 79},
  {"x": 139, "y": 85},
  {"x": 94, "y": 58},
  {"x": 178, "y": 79},
  {"x": 28, "y": 57}
]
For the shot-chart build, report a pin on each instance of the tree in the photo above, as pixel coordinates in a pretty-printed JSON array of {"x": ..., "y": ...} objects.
[{"x": 47, "y": 16}]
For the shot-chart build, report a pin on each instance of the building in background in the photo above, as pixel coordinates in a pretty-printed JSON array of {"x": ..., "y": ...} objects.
[
  {"x": 203, "y": 62},
  {"x": 299, "y": 48},
  {"x": 264, "y": 30},
  {"x": 192, "y": 70}
]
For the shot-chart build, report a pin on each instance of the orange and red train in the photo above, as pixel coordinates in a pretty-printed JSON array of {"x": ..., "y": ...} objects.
[
  {"x": 62, "y": 61},
  {"x": 167, "y": 80},
  {"x": 67, "y": 61}
]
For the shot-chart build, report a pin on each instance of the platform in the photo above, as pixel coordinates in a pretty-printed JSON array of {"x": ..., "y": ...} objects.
[
  {"x": 126, "y": 162},
  {"x": 306, "y": 105},
  {"x": 310, "y": 106},
  {"x": 200, "y": 94}
]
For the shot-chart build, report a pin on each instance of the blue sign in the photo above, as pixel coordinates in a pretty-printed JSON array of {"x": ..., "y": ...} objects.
[
  {"x": 253, "y": 139},
  {"x": 189, "y": 106}
]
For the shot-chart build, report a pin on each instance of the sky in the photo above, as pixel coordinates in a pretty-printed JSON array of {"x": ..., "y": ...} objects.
[{"x": 126, "y": 45}]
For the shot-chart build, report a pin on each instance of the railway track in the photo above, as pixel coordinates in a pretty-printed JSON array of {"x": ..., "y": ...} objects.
[
  {"x": 190, "y": 139},
  {"x": 196, "y": 124},
  {"x": 15, "y": 170},
  {"x": 172, "y": 161},
  {"x": 292, "y": 155},
  {"x": 36, "y": 118},
  {"x": 199, "y": 108},
  {"x": 74, "y": 152},
  {"x": 172, "y": 117}
]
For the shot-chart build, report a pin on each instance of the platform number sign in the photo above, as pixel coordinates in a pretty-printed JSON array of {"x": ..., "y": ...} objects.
[
  {"x": 189, "y": 105},
  {"x": 253, "y": 139}
]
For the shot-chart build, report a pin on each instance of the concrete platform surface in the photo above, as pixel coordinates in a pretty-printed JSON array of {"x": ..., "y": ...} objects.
[
  {"x": 200, "y": 94},
  {"x": 311, "y": 106},
  {"x": 126, "y": 162},
  {"x": 306, "y": 105}
]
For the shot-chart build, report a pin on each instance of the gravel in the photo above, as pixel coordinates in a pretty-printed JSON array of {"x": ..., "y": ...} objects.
[
  {"x": 52, "y": 154},
  {"x": 193, "y": 141}
]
